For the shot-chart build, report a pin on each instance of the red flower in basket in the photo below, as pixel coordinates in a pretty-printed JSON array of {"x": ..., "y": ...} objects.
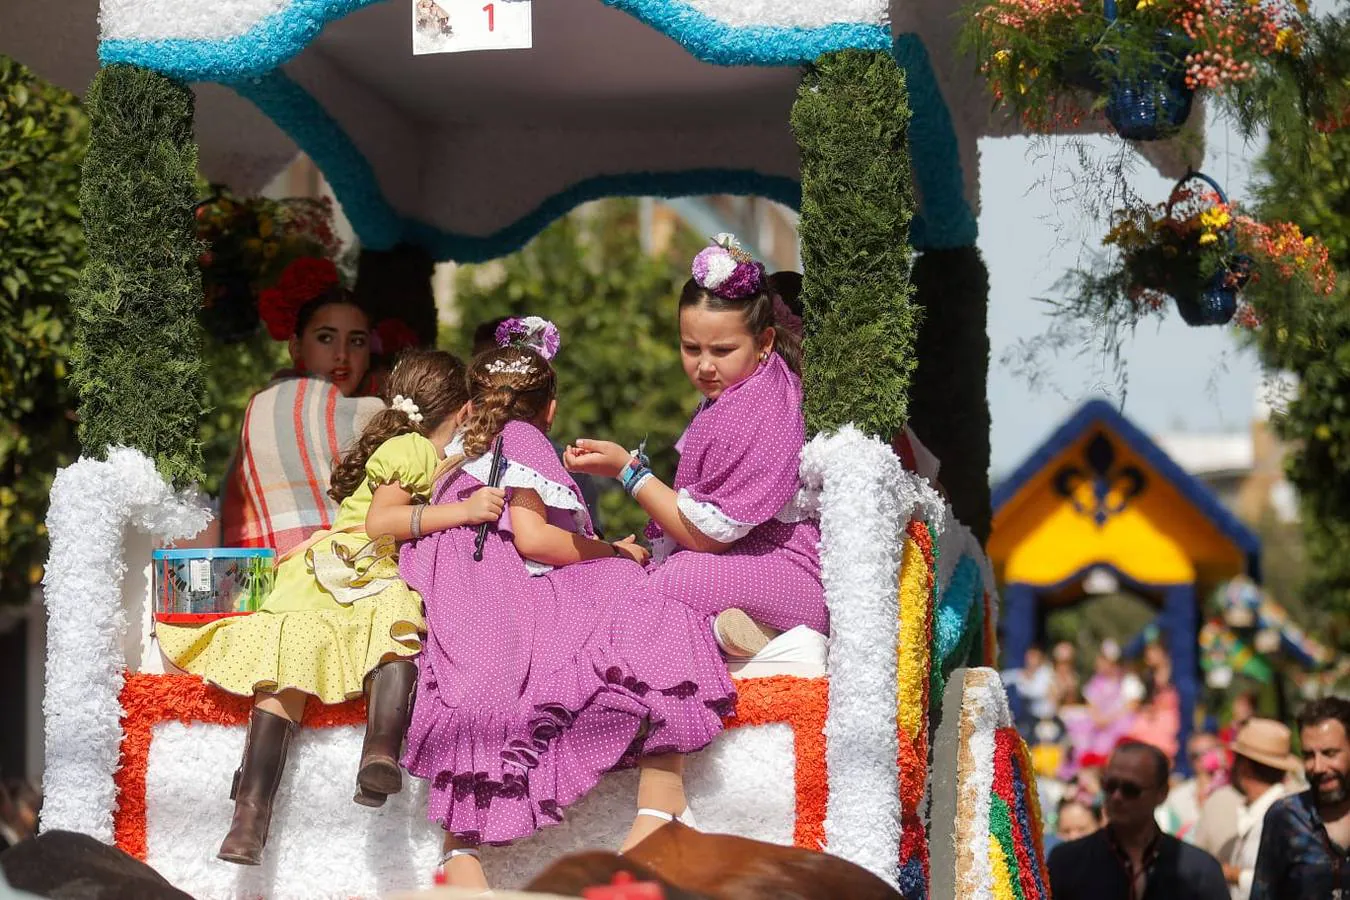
[
  {"x": 393, "y": 336},
  {"x": 303, "y": 280}
]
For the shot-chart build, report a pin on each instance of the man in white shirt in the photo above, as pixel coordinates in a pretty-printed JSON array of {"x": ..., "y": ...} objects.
[
  {"x": 1262, "y": 762},
  {"x": 1034, "y": 682}
]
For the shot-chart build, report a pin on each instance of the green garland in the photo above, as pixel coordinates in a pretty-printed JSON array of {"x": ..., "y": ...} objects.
[
  {"x": 137, "y": 354},
  {"x": 851, "y": 119},
  {"x": 949, "y": 399}
]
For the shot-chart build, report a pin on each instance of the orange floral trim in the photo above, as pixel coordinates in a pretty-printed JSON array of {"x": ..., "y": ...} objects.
[
  {"x": 148, "y": 700},
  {"x": 802, "y": 704}
]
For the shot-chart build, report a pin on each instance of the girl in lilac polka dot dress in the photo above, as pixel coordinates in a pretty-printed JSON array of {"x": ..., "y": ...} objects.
[
  {"x": 729, "y": 535},
  {"x": 546, "y": 664}
]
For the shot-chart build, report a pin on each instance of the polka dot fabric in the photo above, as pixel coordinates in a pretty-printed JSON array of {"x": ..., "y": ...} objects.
[
  {"x": 302, "y": 637},
  {"x": 741, "y": 454},
  {"x": 532, "y": 687}
]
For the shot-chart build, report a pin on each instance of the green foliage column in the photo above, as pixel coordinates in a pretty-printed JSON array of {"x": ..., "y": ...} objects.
[
  {"x": 137, "y": 354},
  {"x": 949, "y": 398},
  {"x": 851, "y": 120}
]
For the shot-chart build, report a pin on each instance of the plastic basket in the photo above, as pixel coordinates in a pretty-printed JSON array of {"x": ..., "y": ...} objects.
[{"x": 193, "y": 587}]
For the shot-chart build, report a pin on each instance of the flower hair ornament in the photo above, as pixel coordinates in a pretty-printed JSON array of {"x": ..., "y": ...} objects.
[
  {"x": 727, "y": 271},
  {"x": 406, "y": 406},
  {"x": 518, "y": 366},
  {"x": 303, "y": 280},
  {"x": 531, "y": 332}
]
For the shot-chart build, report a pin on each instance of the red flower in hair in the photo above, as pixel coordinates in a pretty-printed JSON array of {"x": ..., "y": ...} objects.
[
  {"x": 303, "y": 280},
  {"x": 394, "y": 336}
]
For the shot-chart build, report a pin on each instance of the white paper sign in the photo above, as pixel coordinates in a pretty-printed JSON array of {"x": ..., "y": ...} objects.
[{"x": 456, "y": 26}]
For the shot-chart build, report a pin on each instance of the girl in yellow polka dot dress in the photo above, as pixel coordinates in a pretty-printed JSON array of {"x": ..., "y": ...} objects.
[{"x": 340, "y": 622}]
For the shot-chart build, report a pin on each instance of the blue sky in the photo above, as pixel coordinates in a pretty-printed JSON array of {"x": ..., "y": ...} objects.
[{"x": 1177, "y": 377}]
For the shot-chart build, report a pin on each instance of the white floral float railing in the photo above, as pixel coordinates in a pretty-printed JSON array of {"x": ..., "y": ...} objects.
[{"x": 746, "y": 783}]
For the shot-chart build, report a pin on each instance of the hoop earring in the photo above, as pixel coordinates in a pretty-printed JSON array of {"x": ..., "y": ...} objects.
[{"x": 764, "y": 357}]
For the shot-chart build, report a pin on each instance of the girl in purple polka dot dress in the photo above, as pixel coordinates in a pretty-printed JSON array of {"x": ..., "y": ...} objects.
[
  {"x": 730, "y": 535},
  {"x": 546, "y": 664}
]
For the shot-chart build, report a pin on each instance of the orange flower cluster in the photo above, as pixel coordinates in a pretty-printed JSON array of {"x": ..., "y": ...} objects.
[{"x": 1292, "y": 253}]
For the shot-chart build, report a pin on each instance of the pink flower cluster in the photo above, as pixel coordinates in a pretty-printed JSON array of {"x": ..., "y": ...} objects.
[{"x": 1230, "y": 33}]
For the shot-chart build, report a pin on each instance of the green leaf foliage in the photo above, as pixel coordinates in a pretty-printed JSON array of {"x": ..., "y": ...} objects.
[
  {"x": 42, "y": 133},
  {"x": 619, "y": 373},
  {"x": 137, "y": 357},
  {"x": 1307, "y": 181},
  {"x": 851, "y": 119}
]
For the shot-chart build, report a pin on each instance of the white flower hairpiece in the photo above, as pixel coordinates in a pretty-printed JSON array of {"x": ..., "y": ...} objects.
[
  {"x": 518, "y": 366},
  {"x": 406, "y": 406}
]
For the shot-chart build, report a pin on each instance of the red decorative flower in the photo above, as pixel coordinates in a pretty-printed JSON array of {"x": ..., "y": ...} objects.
[
  {"x": 300, "y": 282},
  {"x": 393, "y": 336}
]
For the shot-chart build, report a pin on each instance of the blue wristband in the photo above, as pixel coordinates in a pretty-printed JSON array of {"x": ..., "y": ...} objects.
[{"x": 632, "y": 475}]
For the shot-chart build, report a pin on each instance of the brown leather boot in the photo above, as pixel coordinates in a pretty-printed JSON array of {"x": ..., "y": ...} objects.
[
  {"x": 388, "y": 709},
  {"x": 255, "y": 786}
]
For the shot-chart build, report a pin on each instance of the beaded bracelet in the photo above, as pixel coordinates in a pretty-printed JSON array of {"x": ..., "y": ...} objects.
[{"x": 416, "y": 523}]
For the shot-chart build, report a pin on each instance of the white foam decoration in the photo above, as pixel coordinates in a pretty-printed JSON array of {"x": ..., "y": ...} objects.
[
  {"x": 93, "y": 503},
  {"x": 742, "y": 785},
  {"x": 150, "y": 20},
  {"x": 866, "y": 499},
  {"x": 793, "y": 13},
  {"x": 984, "y": 709}
]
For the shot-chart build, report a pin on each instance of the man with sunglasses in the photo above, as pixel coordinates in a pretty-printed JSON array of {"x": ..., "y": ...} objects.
[
  {"x": 1305, "y": 841},
  {"x": 1131, "y": 858}
]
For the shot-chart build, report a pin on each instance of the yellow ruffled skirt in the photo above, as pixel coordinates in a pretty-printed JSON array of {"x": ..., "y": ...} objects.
[{"x": 302, "y": 637}]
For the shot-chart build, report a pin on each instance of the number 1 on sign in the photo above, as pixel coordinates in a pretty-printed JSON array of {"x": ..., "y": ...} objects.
[{"x": 491, "y": 16}]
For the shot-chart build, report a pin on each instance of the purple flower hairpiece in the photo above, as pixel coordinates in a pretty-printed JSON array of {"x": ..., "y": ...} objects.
[
  {"x": 724, "y": 269},
  {"x": 536, "y": 333}
]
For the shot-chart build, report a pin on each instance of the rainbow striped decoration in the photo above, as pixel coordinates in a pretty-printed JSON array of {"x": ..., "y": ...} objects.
[
  {"x": 914, "y": 657},
  {"x": 999, "y": 829}
]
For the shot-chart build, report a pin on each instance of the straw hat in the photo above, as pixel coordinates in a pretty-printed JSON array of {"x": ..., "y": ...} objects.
[{"x": 1267, "y": 742}]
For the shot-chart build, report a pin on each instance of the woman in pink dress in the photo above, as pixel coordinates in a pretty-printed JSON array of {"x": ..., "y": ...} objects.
[
  {"x": 730, "y": 532},
  {"x": 546, "y": 663}
]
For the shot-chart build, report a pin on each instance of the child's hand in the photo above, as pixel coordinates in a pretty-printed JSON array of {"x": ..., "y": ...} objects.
[
  {"x": 484, "y": 505},
  {"x": 603, "y": 458},
  {"x": 630, "y": 548}
]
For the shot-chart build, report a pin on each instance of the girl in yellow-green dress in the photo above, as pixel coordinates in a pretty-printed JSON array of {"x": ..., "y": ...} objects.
[{"x": 339, "y": 621}]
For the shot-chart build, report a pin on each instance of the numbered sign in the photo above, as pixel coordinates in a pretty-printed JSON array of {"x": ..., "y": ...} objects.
[{"x": 457, "y": 26}]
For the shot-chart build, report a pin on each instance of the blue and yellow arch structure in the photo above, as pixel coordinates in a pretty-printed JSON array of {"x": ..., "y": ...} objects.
[{"x": 1099, "y": 494}]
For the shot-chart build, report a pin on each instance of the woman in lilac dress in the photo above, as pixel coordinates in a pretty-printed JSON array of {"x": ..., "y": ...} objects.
[
  {"x": 730, "y": 532},
  {"x": 545, "y": 665}
]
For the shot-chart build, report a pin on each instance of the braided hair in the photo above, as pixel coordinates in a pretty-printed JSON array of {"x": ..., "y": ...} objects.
[{"x": 505, "y": 384}]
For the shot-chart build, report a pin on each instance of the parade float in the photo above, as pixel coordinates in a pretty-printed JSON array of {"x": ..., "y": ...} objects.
[{"x": 899, "y": 753}]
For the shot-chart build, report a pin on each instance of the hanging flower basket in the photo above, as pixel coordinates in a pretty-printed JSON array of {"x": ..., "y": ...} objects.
[
  {"x": 1054, "y": 62},
  {"x": 1189, "y": 253},
  {"x": 1197, "y": 251}
]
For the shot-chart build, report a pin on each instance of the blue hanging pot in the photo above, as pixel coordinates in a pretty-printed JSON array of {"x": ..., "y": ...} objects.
[
  {"x": 1155, "y": 103},
  {"x": 1215, "y": 301}
]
